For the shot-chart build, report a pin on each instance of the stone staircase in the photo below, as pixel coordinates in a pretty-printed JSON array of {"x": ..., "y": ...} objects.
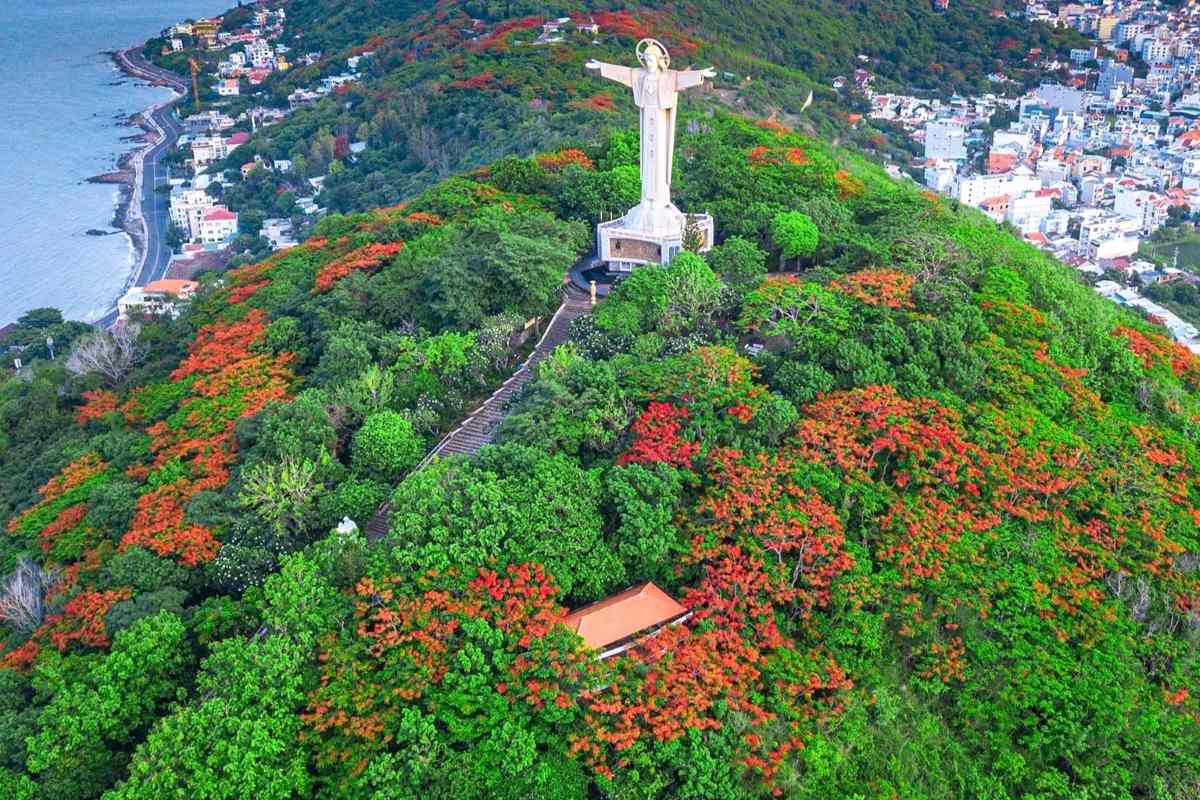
[{"x": 479, "y": 427}]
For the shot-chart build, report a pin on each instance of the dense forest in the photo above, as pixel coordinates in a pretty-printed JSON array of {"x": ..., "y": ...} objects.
[
  {"x": 462, "y": 85},
  {"x": 937, "y": 529},
  {"x": 910, "y": 43}
]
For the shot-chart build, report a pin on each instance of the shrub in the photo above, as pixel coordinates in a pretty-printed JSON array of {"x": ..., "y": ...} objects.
[
  {"x": 127, "y": 612},
  {"x": 143, "y": 571},
  {"x": 386, "y": 447},
  {"x": 356, "y": 497}
]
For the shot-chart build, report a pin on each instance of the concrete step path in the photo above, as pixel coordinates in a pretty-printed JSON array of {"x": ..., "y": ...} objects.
[{"x": 480, "y": 426}]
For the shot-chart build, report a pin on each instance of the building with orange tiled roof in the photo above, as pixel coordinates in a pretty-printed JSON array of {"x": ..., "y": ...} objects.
[
  {"x": 177, "y": 287},
  {"x": 616, "y": 623},
  {"x": 1000, "y": 162},
  {"x": 157, "y": 298},
  {"x": 996, "y": 207}
]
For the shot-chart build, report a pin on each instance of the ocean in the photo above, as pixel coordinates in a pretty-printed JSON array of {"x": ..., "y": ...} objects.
[{"x": 62, "y": 103}]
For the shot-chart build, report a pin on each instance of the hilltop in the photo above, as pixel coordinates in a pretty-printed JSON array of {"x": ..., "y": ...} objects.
[{"x": 936, "y": 530}]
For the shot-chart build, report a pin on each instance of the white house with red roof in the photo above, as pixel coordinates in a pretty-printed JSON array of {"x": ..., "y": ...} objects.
[
  {"x": 235, "y": 141},
  {"x": 218, "y": 225}
]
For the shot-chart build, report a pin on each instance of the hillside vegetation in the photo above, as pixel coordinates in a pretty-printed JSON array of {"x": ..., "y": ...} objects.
[
  {"x": 464, "y": 84},
  {"x": 939, "y": 539}
]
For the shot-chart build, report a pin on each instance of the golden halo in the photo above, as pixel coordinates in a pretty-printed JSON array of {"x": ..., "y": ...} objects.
[{"x": 645, "y": 45}]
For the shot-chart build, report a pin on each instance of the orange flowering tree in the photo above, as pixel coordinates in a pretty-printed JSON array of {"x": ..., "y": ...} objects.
[
  {"x": 367, "y": 257},
  {"x": 480, "y": 660}
]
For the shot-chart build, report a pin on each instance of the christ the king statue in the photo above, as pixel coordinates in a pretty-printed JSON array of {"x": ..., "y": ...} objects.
[{"x": 656, "y": 90}]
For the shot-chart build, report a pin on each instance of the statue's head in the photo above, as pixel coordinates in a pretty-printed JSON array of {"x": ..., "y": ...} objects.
[{"x": 653, "y": 55}]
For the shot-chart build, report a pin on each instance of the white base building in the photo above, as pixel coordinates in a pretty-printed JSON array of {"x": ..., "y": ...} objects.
[{"x": 647, "y": 236}]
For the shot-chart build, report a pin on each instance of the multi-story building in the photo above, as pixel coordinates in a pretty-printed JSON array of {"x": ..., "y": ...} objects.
[
  {"x": 1156, "y": 51},
  {"x": 1114, "y": 75},
  {"x": 217, "y": 225},
  {"x": 975, "y": 189},
  {"x": 207, "y": 149},
  {"x": 945, "y": 140},
  {"x": 206, "y": 30},
  {"x": 157, "y": 298},
  {"x": 1148, "y": 209},
  {"x": 187, "y": 208},
  {"x": 260, "y": 54},
  {"x": 1028, "y": 211}
]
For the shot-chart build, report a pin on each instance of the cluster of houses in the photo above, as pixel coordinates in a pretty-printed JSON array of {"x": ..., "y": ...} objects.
[
  {"x": 1088, "y": 168},
  {"x": 250, "y": 53},
  {"x": 329, "y": 84}
]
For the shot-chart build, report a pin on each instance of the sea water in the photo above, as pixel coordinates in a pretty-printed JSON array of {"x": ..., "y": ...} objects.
[{"x": 62, "y": 102}]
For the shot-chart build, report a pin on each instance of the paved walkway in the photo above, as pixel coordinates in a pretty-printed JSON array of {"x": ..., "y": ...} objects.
[{"x": 480, "y": 426}]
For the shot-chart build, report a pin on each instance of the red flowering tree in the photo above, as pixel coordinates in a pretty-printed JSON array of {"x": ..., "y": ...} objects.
[
  {"x": 656, "y": 438},
  {"x": 878, "y": 287},
  {"x": 367, "y": 257}
]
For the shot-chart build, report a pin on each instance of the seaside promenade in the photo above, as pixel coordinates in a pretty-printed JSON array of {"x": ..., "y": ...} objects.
[{"x": 147, "y": 208}]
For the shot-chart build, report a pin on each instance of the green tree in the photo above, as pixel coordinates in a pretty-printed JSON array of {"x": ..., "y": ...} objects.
[
  {"x": 692, "y": 294},
  {"x": 575, "y": 406},
  {"x": 740, "y": 262},
  {"x": 643, "y": 500},
  {"x": 239, "y": 739},
  {"x": 513, "y": 505},
  {"x": 282, "y": 495},
  {"x": 91, "y": 719},
  {"x": 795, "y": 234}
]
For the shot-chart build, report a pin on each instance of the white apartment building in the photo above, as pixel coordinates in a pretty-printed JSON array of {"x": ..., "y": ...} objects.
[
  {"x": 1156, "y": 51},
  {"x": 1061, "y": 97},
  {"x": 945, "y": 139},
  {"x": 940, "y": 175},
  {"x": 1051, "y": 170},
  {"x": 1020, "y": 141},
  {"x": 187, "y": 210},
  {"x": 1029, "y": 211},
  {"x": 1107, "y": 235},
  {"x": 1148, "y": 209},
  {"x": 1109, "y": 249},
  {"x": 260, "y": 54},
  {"x": 973, "y": 190},
  {"x": 207, "y": 149}
]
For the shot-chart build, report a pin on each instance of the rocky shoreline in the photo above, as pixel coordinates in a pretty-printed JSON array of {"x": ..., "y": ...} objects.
[
  {"x": 129, "y": 167},
  {"x": 126, "y": 176}
]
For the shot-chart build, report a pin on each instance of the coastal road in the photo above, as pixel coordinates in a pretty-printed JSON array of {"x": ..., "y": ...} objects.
[{"x": 148, "y": 206}]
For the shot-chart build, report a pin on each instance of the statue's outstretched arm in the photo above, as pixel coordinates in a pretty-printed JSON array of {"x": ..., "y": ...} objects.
[
  {"x": 686, "y": 79},
  {"x": 613, "y": 72}
]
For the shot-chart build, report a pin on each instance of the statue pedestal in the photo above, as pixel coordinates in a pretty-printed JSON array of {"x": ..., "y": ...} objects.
[{"x": 647, "y": 235}]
